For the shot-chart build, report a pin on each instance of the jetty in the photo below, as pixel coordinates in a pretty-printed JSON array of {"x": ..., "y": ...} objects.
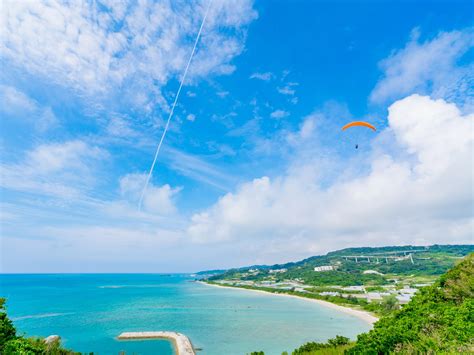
[{"x": 181, "y": 342}]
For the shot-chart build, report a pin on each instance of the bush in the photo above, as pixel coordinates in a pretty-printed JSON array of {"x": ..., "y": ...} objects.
[
  {"x": 313, "y": 346},
  {"x": 24, "y": 346},
  {"x": 7, "y": 330},
  {"x": 11, "y": 344},
  {"x": 439, "y": 319},
  {"x": 338, "y": 340}
]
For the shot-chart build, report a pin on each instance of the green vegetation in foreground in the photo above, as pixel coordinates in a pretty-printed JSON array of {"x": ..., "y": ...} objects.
[
  {"x": 438, "y": 320},
  {"x": 334, "y": 346},
  {"x": 13, "y": 344}
]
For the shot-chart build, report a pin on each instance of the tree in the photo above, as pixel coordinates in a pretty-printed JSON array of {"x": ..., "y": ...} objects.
[
  {"x": 389, "y": 303},
  {"x": 338, "y": 340},
  {"x": 11, "y": 344},
  {"x": 7, "y": 330}
]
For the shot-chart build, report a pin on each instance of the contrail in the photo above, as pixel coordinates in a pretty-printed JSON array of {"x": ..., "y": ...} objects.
[{"x": 173, "y": 106}]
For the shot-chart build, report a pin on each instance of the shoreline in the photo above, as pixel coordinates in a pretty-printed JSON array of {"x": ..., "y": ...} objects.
[
  {"x": 181, "y": 342},
  {"x": 365, "y": 316}
]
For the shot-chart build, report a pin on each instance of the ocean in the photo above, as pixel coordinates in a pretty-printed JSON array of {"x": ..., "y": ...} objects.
[{"x": 89, "y": 311}]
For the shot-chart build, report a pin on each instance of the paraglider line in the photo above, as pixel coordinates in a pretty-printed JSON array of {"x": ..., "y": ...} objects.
[{"x": 172, "y": 107}]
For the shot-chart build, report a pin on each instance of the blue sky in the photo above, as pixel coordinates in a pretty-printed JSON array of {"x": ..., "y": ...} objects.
[{"x": 254, "y": 168}]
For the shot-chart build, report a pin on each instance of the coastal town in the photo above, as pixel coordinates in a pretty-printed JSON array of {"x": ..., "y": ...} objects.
[
  {"x": 403, "y": 293},
  {"x": 375, "y": 280}
]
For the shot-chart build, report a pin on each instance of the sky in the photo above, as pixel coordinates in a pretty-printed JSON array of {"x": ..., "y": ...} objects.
[{"x": 254, "y": 168}]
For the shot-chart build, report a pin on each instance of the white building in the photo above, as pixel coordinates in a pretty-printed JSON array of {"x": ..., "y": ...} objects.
[
  {"x": 354, "y": 288},
  {"x": 324, "y": 268},
  {"x": 275, "y": 271},
  {"x": 376, "y": 296},
  {"x": 405, "y": 294},
  {"x": 329, "y": 293},
  {"x": 404, "y": 298}
]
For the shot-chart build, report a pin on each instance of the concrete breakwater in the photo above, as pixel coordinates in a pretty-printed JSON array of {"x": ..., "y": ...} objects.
[{"x": 181, "y": 342}]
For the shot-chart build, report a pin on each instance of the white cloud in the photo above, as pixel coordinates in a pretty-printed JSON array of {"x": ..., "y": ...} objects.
[
  {"x": 58, "y": 169},
  {"x": 279, "y": 114},
  {"x": 17, "y": 104},
  {"x": 120, "y": 126},
  {"x": 199, "y": 169},
  {"x": 54, "y": 157},
  {"x": 307, "y": 127},
  {"x": 97, "y": 47},
  {"x": 191, "y": 117},
  {"x": 157, "y": 199},
  {"x": 286, "y": 90},
  {"x": 432, "y": 67},
  {"x": 267, "y": 76},
  {"x": 220, "y": 149},
  {"x": 420, "y": 193},
  {"x": 13, "y": 100},
  {"x": 222, "y": 94}
]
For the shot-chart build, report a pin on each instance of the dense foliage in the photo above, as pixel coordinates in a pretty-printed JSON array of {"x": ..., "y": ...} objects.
[
  {"x": 313, "y": 346},
  {"x": 13, "y": 344},
  {"x": 439, "y": 319},
  {"x": 334, "y": 346},
  {"x": 7, "y": 330}
]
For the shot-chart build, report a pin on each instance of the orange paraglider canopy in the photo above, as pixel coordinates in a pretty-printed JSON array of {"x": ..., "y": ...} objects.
[{"x": 359, "y": 123}]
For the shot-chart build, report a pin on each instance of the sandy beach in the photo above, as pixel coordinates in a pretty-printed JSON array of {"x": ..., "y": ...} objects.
[{"x": 365, "y": 316}]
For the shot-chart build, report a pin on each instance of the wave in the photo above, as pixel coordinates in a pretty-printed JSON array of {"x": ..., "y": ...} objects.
[
  {"x": 131, "y": 286},
  {"x": 36, "y": 316}
]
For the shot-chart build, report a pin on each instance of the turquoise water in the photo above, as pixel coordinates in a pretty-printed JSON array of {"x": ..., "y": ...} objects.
[{"x": 89, "y": 310}]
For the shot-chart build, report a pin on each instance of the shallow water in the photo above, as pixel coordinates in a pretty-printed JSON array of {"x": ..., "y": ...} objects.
[{"x": 89, "y": 310}]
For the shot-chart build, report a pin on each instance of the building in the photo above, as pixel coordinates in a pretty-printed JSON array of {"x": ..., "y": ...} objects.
[
  {"x": 405, "y": 294},
  {"x": 354, "y": 288},
  {"x": 404, "y": 298},
  {"x": 324, "y": 268},
  {"x": 275, "y": 271},
  {"x": 376, "y": 296},
  {"x": 329, "y": 293}
]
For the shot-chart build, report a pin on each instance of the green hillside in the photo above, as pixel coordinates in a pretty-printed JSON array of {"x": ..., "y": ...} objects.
[
  {"x": 439, "y": 319},
  {"x": 412, "y": 263}
]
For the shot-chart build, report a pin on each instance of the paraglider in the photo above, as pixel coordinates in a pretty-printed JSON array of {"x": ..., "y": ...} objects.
[{"x": 359, "y": 124}]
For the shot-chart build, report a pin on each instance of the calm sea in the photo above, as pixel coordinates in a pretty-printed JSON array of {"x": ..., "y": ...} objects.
[{"x": 89, "y": 310}]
